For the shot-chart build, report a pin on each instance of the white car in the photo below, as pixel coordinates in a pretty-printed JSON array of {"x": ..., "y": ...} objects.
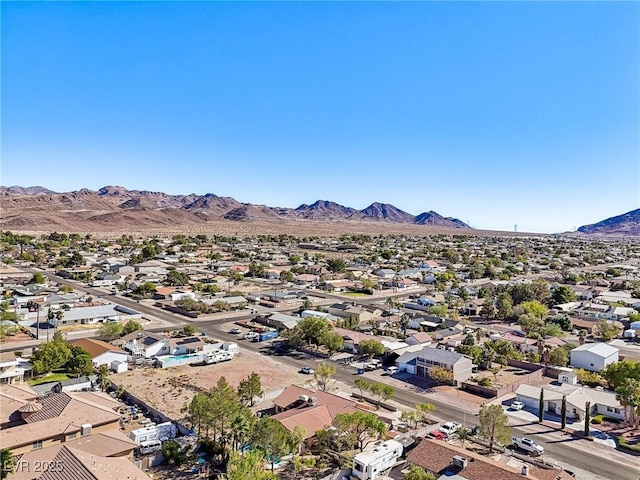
[
  {"x": 516, "y": 405},
  {"x": 450, "y": 428},
  {"x": 527, "y": 445},
  {"x": 250, "y": 335}
]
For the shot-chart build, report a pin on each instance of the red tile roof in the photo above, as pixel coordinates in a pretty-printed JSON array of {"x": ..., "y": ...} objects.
[{"x": 290, "y": 398}]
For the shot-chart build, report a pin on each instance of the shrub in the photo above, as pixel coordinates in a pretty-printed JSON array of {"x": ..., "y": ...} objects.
[
  {"x": 597, "y": 419},
  {"x": 485, "y": 382},
  {"x": 622, "y": 443}
]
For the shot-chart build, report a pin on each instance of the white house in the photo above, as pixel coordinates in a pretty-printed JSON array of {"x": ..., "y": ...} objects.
[
  {"x": 593, "y": 356},
  {"x": 145, "y": 344},
  {"x": 102, "y": 353},
  {"x": 603, "y": 402},
  {"x": 12, "y": 368},
  {"x": 376, "y": 458}
]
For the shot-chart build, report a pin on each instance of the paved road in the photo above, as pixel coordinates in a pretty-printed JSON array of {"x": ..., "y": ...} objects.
[
  {"x": 566, "y": 455},
  {"x": 571, "y": 456}
]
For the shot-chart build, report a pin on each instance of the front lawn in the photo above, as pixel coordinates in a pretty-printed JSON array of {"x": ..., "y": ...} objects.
[{"x": 52, "y": 377}]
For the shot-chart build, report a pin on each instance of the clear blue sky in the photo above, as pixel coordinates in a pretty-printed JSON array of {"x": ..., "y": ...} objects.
[{"x": 495, "y": 113}]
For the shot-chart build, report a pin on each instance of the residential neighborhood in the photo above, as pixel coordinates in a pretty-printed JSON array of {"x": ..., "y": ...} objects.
[{"x": 310, "y": 343}]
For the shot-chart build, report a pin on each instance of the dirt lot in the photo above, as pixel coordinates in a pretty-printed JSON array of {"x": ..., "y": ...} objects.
[{"x": 169, "y": 389}]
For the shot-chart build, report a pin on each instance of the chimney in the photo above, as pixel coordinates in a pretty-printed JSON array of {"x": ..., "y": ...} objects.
[{"x": 525, "y": 470}]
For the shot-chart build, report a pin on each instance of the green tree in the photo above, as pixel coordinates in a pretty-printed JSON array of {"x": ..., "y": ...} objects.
[
  {"x": 533, "y": 308},
  {"x": 103, "y": 377},
  {"x": 286, "y": 276},
  {"x": 189, "y": 330},
  {"x": 504, "y": 306},
  {"x": 130, "y": 327},
  {"x": 628, "y": 394},
  {"x": 336, "y": 265},
  {"x": 362, "y": 385},
  {"x": 79, "y": 362},
  {"x": 616, "y": 373},
  {"x": 365, "y": 427},
  {"x": 440, "y": 375},
  {"x": 322, "y": 375},
  {"x": 607, "y": 330},
  {"x": 174, "y": 454},
  {"x": 463, "y": 435},
  {"x": 110, "y": 331},
  {"x": 425, "y": 409},
  {"x": 250, "y": 388},
  {"x": 559, "y": 356},
  {"x": 494, "y": 425},
  {"x": 332, "y": 341},
  {"x": 418, "y": 473},
  {"x": 50, "y": 356},
  {"x": 273, "y": 439},
  {"x": 563, "y": 294},
  {"x": 381, "y": 392},
  {"x": 175, "y": 277},
  {"x": 371, "y": 347},
  {"x": 146, "y": 289},
  {"x": 7, "y": 463},
  {"x": 37, "y": 279},
  {"x": 439, "y": 310},
  {"x": 313, "y": 329},
  {"x": 248, "y": 466}
]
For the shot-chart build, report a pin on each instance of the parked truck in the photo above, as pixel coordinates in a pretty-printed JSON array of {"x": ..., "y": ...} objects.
[{"x": 527, "y": 445}]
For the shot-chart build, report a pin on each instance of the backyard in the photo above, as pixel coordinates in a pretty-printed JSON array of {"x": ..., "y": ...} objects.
[{"x": 169, "y": 390}]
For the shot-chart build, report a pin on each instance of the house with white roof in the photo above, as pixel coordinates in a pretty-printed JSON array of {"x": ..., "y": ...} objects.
[
  {"x": 593, "y": 356},
  {"x": 603, "y": 402}
]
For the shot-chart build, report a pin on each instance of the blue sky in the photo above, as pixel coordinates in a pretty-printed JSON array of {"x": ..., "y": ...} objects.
[{"x": 496, "y": 113}]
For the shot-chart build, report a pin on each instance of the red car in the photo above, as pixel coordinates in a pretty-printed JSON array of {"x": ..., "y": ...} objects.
[{"x": 436, "y": 435}]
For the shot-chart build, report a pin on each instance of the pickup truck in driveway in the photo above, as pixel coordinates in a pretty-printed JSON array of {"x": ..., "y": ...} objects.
[{"x": 527, "y": 445}]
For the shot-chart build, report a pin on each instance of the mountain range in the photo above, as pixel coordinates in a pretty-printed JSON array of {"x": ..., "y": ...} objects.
[
  {"x": 625, "y": 224},
  {"x": 39, "y": 208}
]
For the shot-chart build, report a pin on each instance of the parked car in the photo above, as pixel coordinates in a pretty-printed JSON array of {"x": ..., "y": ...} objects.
[
  {"x": 450, "y": 428},
  {"x": 392, "y": 370},
  {"x": 250, "y": 335},
  {"x": 235, "y": 330},
  {"x": 527, "y": 445},
  {"x": 307, "y": 370},
  {"x": 436, "y": 435},
  {"x": 516, "y": 405}
]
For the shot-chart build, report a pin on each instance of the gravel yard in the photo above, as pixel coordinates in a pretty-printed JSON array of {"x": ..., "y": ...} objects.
[{"x": 169, "y": 389}]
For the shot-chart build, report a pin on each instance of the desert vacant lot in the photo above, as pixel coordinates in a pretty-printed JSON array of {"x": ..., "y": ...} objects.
[{"x": 169, "y": 389}]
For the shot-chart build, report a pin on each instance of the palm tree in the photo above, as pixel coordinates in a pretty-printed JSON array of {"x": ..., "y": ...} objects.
[
  {"x": 8, "y": 461},
  {"x": 59, "y": 317},
  {"x": 103, "y": 377},
  {"x": 463, "y": 435},
  {"x": 582, "y": 336}
]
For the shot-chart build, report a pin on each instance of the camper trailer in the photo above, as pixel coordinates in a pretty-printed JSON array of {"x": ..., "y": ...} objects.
[
  {"x": 161, "y": 432},
  {"x": 375, "y": 459}
]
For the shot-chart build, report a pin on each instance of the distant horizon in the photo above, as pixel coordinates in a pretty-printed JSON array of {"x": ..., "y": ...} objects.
[
  {"x": 294, "y": 206},
  {"x": 495, "y": 113}
]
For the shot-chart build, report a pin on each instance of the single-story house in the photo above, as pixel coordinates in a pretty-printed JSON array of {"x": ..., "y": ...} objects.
[
  {"x": 102, "y": 353},
  {"x": 602, "y": 401}
]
